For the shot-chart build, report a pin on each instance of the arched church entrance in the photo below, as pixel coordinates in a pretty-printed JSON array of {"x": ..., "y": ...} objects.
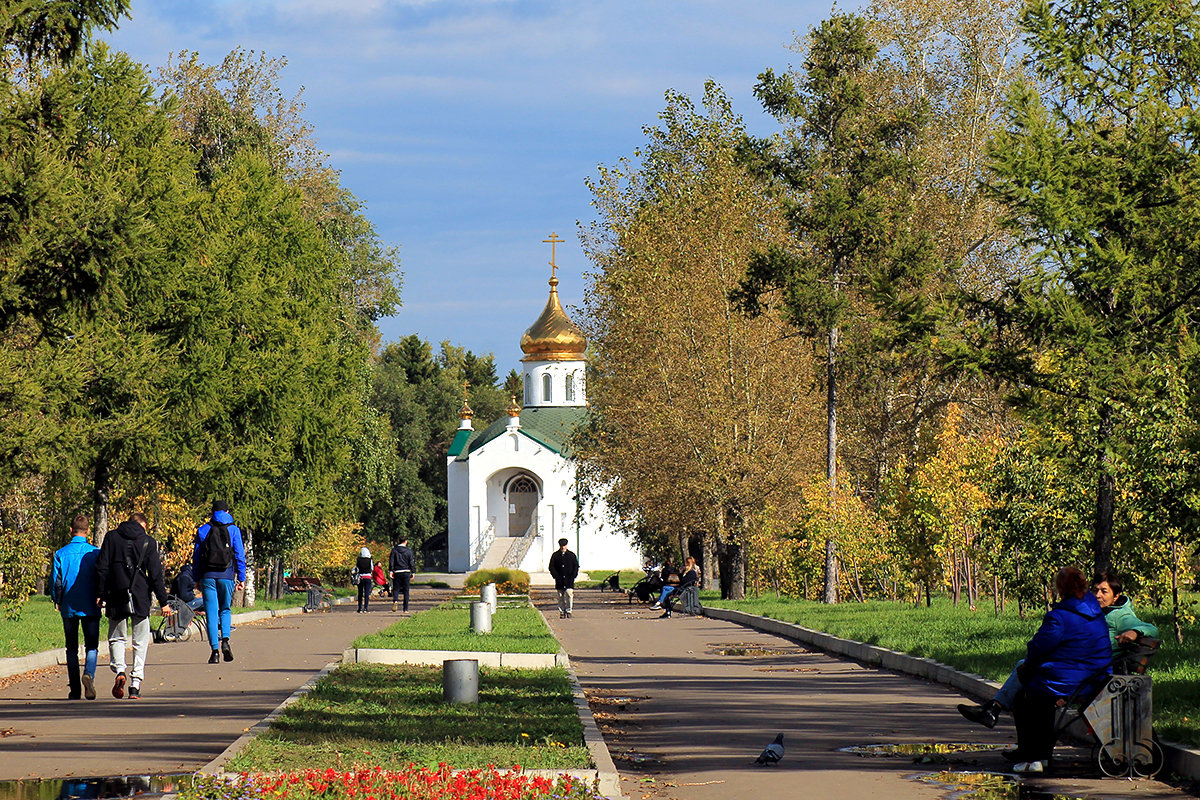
[{"x": 521, "y": 493}]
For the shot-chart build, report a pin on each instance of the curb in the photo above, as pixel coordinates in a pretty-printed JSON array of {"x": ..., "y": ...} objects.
[
  {"x": 16, "y": 665},
  {"x": 217, "y": 765},
  {"x": 1183, "y": 760}
]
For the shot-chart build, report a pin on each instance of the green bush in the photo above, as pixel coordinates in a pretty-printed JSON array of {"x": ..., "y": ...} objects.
[{"x": 508, "y": 581}]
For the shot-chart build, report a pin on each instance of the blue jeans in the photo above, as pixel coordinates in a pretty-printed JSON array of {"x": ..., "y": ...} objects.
[
  {"x": 1008, "y": 692},
  {"x": 91, "y": 644},
  {"x": 666, "y": 590},
  {"x": 218, "y": 596}
]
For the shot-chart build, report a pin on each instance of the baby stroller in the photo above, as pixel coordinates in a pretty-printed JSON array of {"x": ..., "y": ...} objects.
[
  {"x": 178, "y": 626},
  {"x": 1118, "y": 720},
  {"x": 648, "y": 588}
]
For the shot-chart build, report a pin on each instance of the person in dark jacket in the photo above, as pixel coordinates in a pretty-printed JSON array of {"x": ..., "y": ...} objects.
[
  {"x": 1069, "y": 652},
  {"x": 363, "y": 569},
  {"x": 74, "y": 588},
  {"x": 128, "y": 570},
  {"x": 402, "y": 565},
  {"x": 564, "y": 568},
  {"x": 184, "y": 587},
  {"x": 689, "y": 577},
  {"x": 219, "y": 575}
]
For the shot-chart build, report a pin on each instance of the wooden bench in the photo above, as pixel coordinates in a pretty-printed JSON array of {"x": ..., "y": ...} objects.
[{"x": 318, "y": 597}]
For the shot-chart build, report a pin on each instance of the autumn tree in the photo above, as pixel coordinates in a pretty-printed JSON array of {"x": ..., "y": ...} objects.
[
  {"x": 846, "y": 176},
  {"x": 702, "y": 414}
]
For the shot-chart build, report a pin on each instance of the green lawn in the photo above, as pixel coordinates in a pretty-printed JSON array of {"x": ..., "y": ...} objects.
[
  {"x": 448, "y": 627},
  {"x": 39, "y": 626},
  {"x": 372, "y": 715},
  {"x": 628, "y": 578},
  {"x": 980, "y": 642}
]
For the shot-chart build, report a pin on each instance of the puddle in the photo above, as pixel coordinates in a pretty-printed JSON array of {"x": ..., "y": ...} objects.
[
  {"x": 93, "y": 788},
  {"x": 989, "y": 786},
  {"x": 751, "y": 649},
  {"x": 921, "y": 752}
]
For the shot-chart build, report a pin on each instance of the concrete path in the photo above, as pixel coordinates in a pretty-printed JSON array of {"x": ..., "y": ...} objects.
[
  {"x": 190, "y": 711},
  {"x": 684, "y": 716}
]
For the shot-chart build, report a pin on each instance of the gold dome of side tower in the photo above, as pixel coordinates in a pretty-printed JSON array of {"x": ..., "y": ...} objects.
[{"x": 553, "y": 337}]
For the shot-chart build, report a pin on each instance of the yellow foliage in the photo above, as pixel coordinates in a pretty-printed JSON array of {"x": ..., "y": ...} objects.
[{"x": 330, "y": 551}]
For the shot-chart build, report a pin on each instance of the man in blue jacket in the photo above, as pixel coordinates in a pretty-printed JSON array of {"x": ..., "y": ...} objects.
[
  {"x": 219, "y": 564},
  {"x": 74, "y": 589}
]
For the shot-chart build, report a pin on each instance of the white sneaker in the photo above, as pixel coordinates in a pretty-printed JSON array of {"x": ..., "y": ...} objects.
[
  {"x": 655, "y": 606},
  {"x": 1029, "y": 767}
]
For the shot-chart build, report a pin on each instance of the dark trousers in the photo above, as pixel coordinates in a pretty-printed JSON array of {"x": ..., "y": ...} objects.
[
  {"x": 1034, "y": 715},
  {"x": 364, "y": 594},
  {"x": 91, "y": 643},
  {"x": 400, "y": 581}
]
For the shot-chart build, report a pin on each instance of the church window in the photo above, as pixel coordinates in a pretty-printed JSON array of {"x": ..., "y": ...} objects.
[
  {"x": 571, "y": 387},
  {"x": 522, "y": 483},
  {"x": 528, "y": 393},
  {"x": 547, "y": 386}
]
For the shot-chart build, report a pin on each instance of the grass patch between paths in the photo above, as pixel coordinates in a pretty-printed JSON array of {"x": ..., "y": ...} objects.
[
  {"x": 368, "y": 715},
  {"x": 446, "y": 627},
  {"x": 980, "y": 642}
]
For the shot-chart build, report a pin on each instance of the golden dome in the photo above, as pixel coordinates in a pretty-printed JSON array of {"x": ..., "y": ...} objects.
[{"x": 553, "y": 337}]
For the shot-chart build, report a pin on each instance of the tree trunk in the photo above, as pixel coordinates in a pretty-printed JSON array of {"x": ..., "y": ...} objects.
[
  {"x": 1175, "y": 615},
  {"x": 831, "y": 575},
  {"x": 708, "y": 564},
  {"x": 101, "y": 489},
  {"x": 1105, "y": 490},
  {"x": 733, "y": 572},
  {"x": 248, "y": 542}
]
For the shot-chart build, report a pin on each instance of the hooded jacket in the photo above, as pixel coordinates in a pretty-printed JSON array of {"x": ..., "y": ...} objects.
[
  {"x": 401, "y": 560},
  {"x": 119, "y": 556},
  {"x": 1070, "y": 648},
  {"x": 236, "y": 570}
]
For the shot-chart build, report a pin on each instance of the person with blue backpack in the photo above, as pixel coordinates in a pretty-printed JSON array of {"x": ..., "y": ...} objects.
[{"x": 219, "y": 564}]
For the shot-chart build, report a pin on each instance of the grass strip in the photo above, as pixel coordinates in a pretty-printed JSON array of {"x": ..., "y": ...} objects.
[
  {"x": 39, "y": 626},
  {"x": 378, "y": 715},
  {"x": 597, "y": 576},
  {"x": 989, "y": 645},
  {"x": 446, "y": 627}
]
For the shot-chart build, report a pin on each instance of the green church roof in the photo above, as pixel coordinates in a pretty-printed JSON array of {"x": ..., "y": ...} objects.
[{"x": 550, "y": 426}]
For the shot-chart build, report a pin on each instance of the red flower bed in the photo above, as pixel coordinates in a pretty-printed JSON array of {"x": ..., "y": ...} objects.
[{"x": 413, "y": 783}]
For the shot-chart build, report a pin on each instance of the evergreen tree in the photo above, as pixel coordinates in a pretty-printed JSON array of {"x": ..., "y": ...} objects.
[{"x": 1096, "y": 168}]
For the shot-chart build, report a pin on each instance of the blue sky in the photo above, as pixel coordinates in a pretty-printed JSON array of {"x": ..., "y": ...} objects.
[{"x": 468, "y": 128}]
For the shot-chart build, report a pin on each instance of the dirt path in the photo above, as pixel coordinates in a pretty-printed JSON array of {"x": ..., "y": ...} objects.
[
  {"x": 190, "y": 711},
  {"x": 686, "y": 704}
]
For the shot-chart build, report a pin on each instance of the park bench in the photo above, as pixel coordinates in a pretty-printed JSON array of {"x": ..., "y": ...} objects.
[{"x": 318, "y": 598}]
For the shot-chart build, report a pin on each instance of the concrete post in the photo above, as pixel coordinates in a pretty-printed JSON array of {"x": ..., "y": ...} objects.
[
  {"x": 481, "y": 618},
  {"x": 487, "y": 594},
  {"x": 460, "y": 680}
]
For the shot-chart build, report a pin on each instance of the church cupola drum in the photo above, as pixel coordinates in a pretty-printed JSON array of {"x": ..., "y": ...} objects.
[{"x": 554, "y": 352}]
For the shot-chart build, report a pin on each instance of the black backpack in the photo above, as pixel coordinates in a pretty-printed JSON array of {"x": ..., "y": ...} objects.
[{"x": 217, "y": 547}]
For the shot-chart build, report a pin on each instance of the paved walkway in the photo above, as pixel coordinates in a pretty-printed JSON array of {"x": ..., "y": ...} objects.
[
  {"x": 684, "y": 721},
  {"x": 190, "y": 711}
]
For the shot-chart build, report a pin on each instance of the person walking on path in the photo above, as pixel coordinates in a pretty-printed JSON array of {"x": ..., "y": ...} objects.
[
  {"x": 363, "y": 568},
  {"x": 128, "y": 570},
  {"x": 219, "y": 561},
  {"x": 402, "y": 565},
  {"x": 74, "y": 591},
  {"x": 564, "y": 567}
]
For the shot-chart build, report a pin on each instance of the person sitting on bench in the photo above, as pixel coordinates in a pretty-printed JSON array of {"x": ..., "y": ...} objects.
[
  {"x": 1124, "y": 629},
  {"x": 1067, "y": 657},
  {"x": 689, "y": 577}
]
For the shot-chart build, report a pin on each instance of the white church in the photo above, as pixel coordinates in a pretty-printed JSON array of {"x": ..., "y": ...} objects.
[{"x": 511, "y": 486}]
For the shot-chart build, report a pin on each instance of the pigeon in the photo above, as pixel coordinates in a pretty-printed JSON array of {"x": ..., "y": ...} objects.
[{"x": 772, "y": 753}]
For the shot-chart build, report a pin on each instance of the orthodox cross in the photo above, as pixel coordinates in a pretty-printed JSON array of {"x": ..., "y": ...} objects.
[{"x": 553, "y": 241}]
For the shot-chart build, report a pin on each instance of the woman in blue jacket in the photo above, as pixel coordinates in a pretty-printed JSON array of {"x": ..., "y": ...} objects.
[{"x": 1070, "y": 650}]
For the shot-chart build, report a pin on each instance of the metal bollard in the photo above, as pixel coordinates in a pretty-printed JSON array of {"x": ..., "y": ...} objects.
[
  {"x": 460, "y": 680},
  {"x": 487, "y": 593},
  {"x": 481, "y": 618}
]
